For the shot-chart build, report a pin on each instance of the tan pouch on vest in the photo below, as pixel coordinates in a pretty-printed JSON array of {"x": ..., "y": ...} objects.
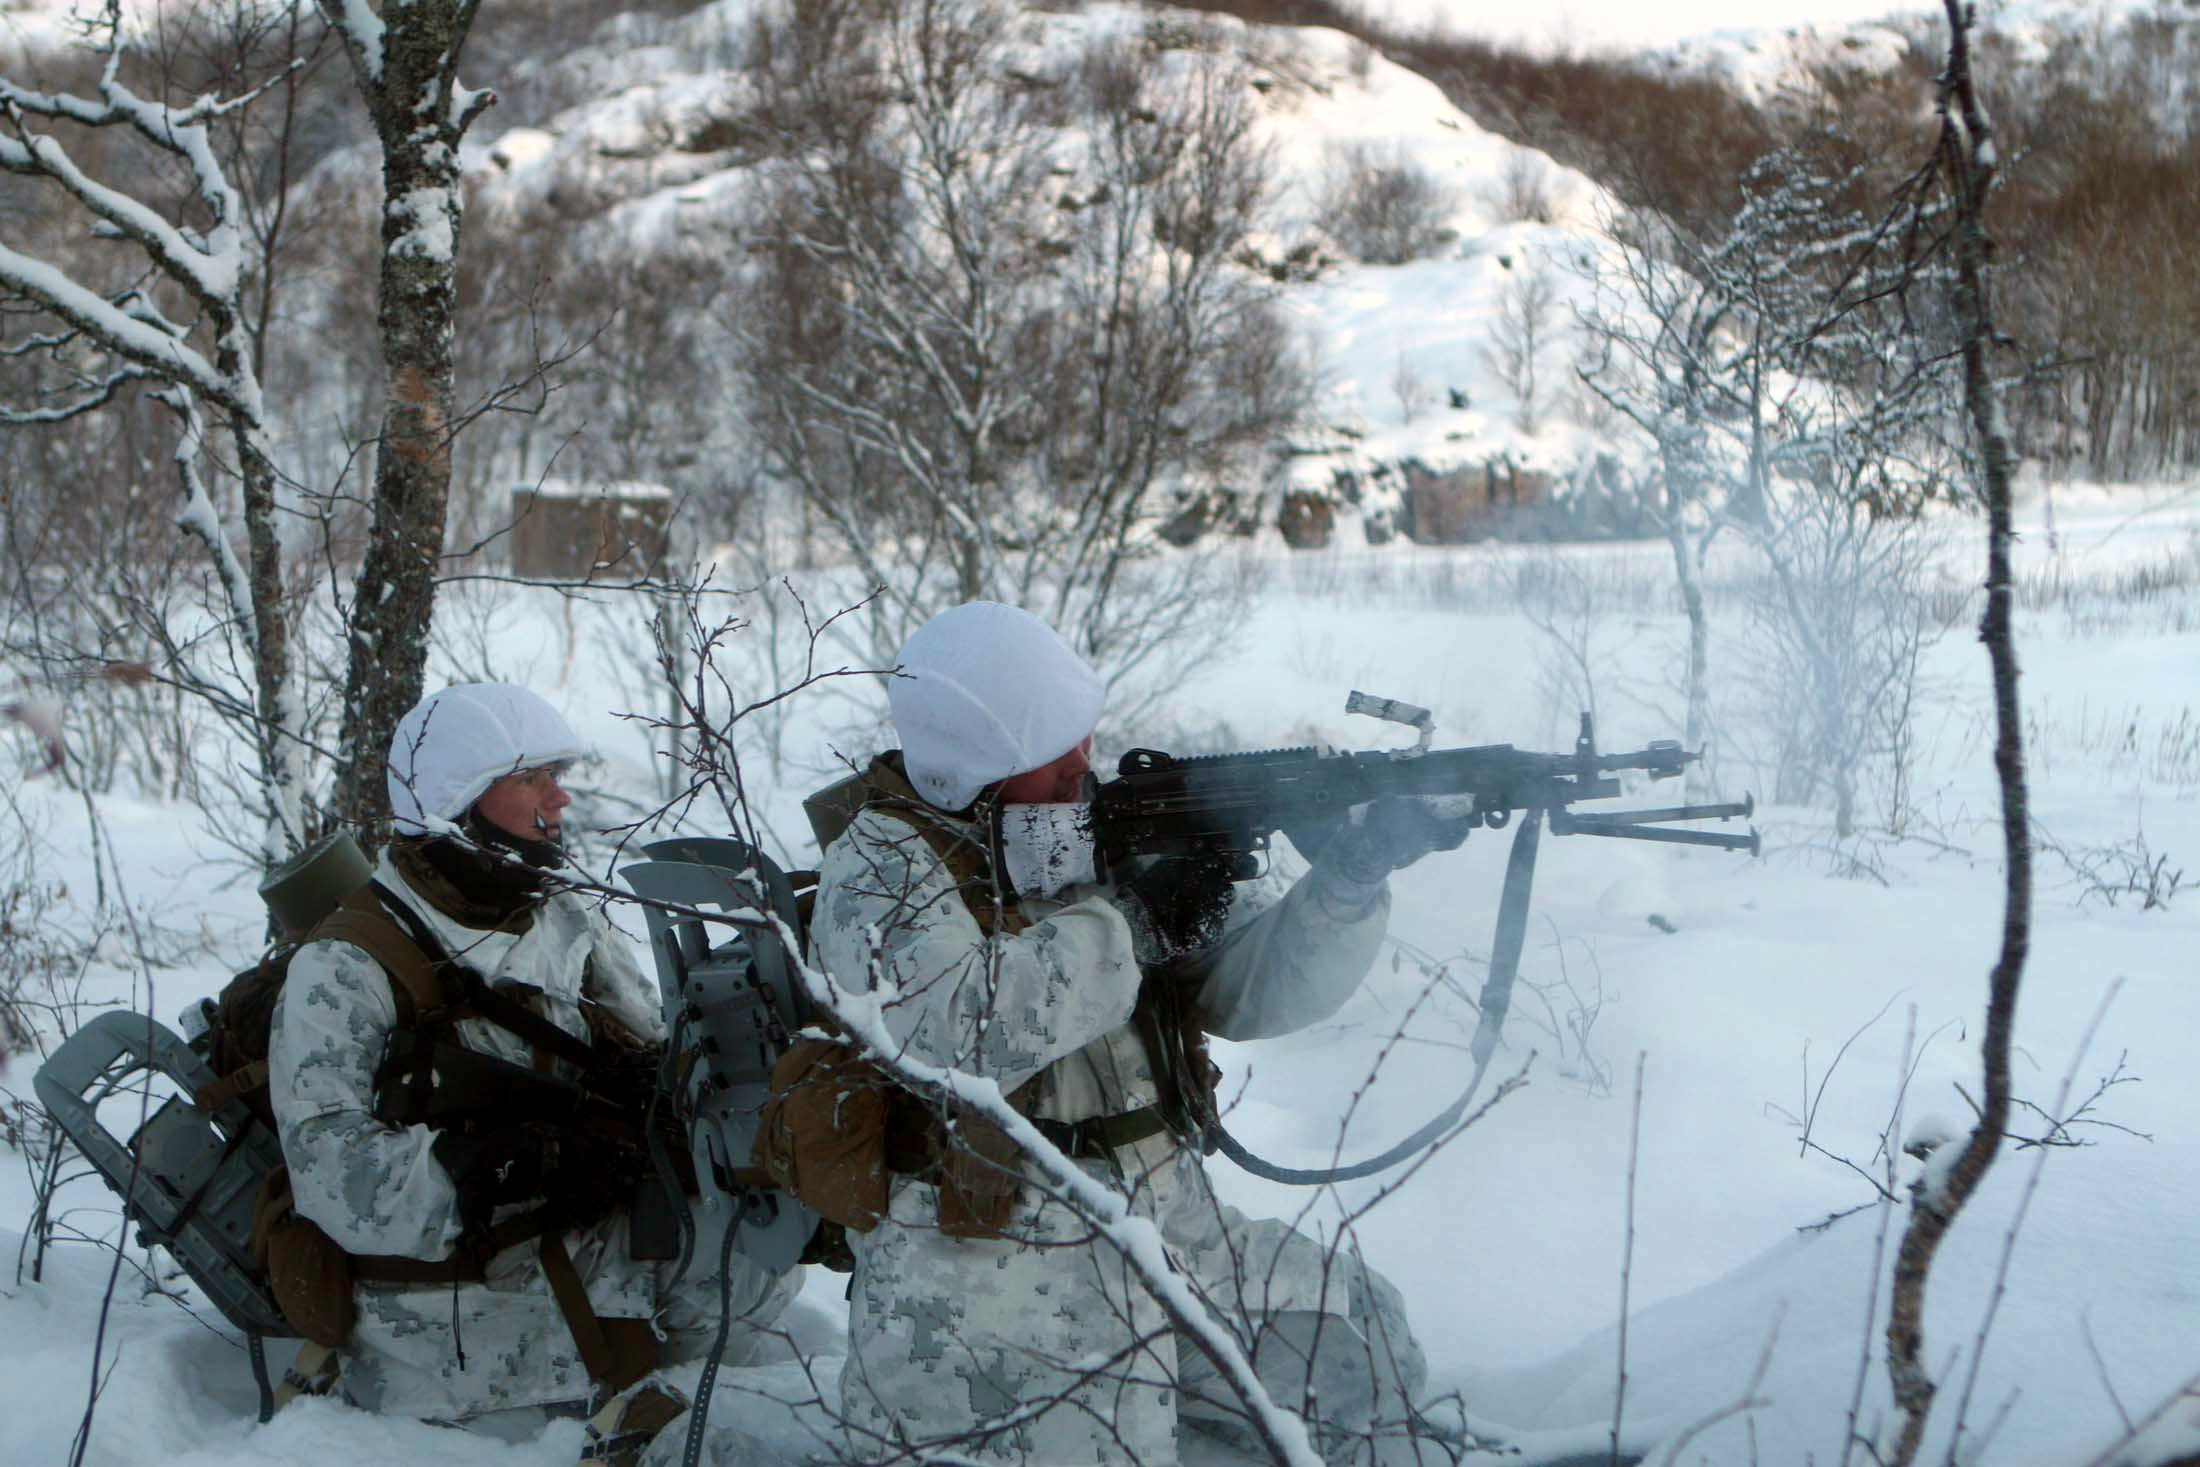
[
  {"x": 822, "y": 1135},
  {"x": 307, "y": 1272},
  {"x": 979, "y": 1183}
]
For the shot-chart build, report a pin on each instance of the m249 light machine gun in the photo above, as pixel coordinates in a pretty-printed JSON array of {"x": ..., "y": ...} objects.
[{"x": 1228, "y": 806}]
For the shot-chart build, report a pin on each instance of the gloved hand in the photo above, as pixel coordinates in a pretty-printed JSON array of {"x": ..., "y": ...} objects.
[
  {"x": 494, "y": 1166},
  {"x": 580, "y": 1173},
  {"x": 1391, "y": 833},
  {"x": 1174, "y": 905}
]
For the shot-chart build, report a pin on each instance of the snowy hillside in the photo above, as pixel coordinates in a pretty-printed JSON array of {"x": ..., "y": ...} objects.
[
  {"x": 1453, "y": 367},
  {"x": 635, "y": 153},
  {"x": 653, "y": 164}
]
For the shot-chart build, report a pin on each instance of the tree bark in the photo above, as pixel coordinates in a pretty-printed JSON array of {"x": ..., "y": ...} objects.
[{"x": 408, "y": 77}]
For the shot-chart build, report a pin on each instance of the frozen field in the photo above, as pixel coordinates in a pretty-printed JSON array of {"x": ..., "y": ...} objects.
[{"x": 1768, "y": 1003}]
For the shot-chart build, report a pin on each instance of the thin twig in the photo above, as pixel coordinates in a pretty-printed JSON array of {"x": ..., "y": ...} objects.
[
  {"x": 1627, "y": 1252},
  {"x": 1891, "y": 1159},
  {"x": 2100, "y": 1368},
  {"x": 1749, "y": 1400}
]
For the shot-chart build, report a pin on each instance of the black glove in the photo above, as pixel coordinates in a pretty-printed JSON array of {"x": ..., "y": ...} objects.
[
  {"x": 580, "y": 1173},
  {"x": 492, "y": 1167},
  {"x": 1391, "y": 834},
  {"x": 1174, "y": 906}
]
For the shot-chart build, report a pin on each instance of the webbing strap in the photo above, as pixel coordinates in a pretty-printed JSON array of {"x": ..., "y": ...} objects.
[
  {"x": 605, "y": 1361},
  {"x": 514, "y": 1017},
  {"x": 580, "y": 1316},
  {"x": 232, "y": 1086},
  {"x": 1104, "y": 1135},
  {"x": 1512, "y": 921},
  {"x": 367, "y": 921},
  {"x": 377, "y": 921}
]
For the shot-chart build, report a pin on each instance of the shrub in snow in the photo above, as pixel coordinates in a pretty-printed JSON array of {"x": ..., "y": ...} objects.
[{"x": 1383, "y": 207}]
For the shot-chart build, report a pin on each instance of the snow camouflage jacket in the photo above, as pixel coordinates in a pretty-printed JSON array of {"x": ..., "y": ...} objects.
[
  {"x": 439, "y": 1351},
  {"x": 947, "y": 1334},
  {"x": 1057, "y": 999}
]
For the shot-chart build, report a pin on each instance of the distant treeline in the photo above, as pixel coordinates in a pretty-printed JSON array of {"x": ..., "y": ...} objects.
[{"x": 2098, "y": 227}]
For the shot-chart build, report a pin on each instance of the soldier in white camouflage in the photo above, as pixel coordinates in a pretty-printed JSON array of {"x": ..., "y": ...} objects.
[
  {"x": 1089, "y": 1006},
  {"x": 473, "y": 784}
]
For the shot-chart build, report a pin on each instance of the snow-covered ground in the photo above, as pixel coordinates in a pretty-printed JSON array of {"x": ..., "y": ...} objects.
[{"x": 1781, "y": 992}]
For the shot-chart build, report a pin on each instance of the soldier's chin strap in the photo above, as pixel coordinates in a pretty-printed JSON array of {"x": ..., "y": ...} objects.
[{"x": 1496, "y": 1001}]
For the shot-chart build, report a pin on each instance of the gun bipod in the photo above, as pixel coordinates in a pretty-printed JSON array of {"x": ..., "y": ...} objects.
[{"x": 1652, "y": 825}]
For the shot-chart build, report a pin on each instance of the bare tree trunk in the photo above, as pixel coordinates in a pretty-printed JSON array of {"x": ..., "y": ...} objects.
[
  {"x": 1969, "y": 163},
  {"x": 408, "y": 75},
  {"x": 1688, "y": 575},
  {"x": 282, "y": 766}
]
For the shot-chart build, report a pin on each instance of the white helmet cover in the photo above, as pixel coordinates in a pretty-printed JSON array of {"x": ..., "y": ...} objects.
[
  {"x": 984, "y": 692},
  {"x": 456, "y": 743}
]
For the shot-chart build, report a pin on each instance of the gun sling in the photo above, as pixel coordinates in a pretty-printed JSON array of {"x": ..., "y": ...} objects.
[{"x": 612, "y": 1356}]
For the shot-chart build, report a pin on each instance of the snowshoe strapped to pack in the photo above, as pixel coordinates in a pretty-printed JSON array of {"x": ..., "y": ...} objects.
[
  {"x": 189, "y": 1180},
  {"x": 732, "y": 1004},
  {"x": 195, "y": 1175}
]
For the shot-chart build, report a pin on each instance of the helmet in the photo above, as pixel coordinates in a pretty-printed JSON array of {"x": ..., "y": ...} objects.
[
  {"x": 456, "y": 743},
  {"x": 984, "y": 692}
]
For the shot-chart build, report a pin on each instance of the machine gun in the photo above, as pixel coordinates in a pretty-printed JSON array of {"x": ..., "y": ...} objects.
[{"x": 1229, "y": 805}]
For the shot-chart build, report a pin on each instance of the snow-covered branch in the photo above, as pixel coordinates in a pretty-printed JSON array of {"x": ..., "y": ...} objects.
[{"x": 202, "y": 361}]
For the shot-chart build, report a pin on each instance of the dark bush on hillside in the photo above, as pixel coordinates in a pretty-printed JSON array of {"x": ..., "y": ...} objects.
[{"x": 1383, "y": 207}]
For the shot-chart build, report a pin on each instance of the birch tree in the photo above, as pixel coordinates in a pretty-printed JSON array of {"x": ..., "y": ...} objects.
[
  {"x": 1652, "y": 351},
  {"x": 172, "y": 300},
  {"x": 404, "y": 60}
]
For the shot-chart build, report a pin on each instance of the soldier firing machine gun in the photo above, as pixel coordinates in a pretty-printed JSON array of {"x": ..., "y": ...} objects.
[
  {"x": 732, "y": 1002},
  {"x": 1228, "y": 806}
]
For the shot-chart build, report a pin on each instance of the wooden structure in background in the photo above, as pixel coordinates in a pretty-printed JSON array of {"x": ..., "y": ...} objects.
[{"x": 572, "y": 532}]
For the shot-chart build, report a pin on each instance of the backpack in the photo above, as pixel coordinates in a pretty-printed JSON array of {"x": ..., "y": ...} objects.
[{"x": 204, "y": 1177}]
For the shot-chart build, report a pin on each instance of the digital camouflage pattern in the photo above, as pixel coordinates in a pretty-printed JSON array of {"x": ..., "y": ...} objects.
[
  {"x": 446, "y": 1352},
  {"x": 1039, "y": 1346}
]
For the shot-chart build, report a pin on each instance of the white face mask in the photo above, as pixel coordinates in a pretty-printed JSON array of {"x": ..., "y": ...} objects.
[{"x": 1045, "y": 848}]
